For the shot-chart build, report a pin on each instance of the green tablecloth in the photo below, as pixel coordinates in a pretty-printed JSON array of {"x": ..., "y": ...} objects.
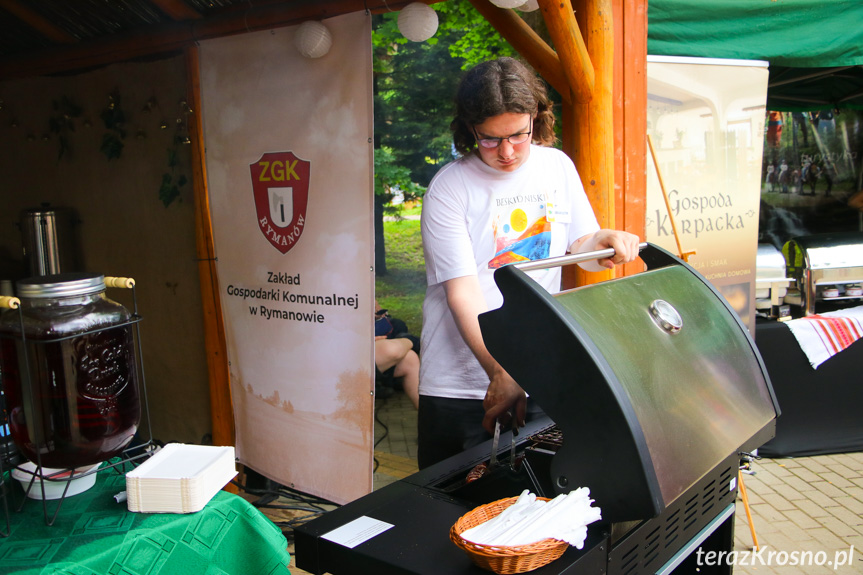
[{"x": 93, "y": 534}]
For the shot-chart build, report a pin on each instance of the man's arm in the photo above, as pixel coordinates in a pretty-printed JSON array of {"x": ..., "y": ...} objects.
[{"x": 465, "y": 300}]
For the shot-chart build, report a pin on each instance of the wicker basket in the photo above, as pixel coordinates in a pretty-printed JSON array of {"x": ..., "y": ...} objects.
[{"x": 503, "y": 559}]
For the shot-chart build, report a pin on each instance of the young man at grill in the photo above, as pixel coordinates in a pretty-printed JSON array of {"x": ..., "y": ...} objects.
[{"x": 510, "y": 197}]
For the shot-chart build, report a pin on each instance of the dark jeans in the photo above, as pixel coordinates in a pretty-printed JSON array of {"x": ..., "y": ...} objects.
[{"x": 447, "y": 427}]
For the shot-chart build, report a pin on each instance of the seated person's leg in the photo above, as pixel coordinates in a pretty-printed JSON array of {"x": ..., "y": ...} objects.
[
  {"x": 389, "y": 352},
  {"x": 408, "y": 369}
]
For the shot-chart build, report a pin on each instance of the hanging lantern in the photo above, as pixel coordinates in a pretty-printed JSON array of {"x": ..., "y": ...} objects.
[
  {"x": 417, "y": 22},
  {"x": 313, "y": 39},
  {"x": 507, "y": 3},
  {"x": 529, "y": 6}
]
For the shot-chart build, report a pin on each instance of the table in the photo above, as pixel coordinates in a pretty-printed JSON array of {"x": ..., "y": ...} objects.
[
  {"x": 93, "y": 534},
  {"x": 821, "y": 411}
]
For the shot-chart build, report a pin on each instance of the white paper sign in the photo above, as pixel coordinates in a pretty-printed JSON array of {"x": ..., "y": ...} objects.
[{"x": 357, "y": 531}]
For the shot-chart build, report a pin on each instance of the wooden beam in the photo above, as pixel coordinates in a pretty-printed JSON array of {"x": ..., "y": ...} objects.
[
  {"x": 592, "y": 121},
  {"x": 177, "y": 10},
  {"x": 528, "y": 44},
  {"x": 630, "y": 119},
  {"x": 35, "y": 20},
  {"x": 571, "y": 49},
  {"x": 174, "y": 36},
  {"x": 221, "y": 410}
]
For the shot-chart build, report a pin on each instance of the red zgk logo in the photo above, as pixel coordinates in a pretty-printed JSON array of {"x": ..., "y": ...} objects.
[{"x": 280, "y": 183}]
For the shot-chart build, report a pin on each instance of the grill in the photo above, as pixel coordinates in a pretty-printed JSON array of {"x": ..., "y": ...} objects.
[
  {"x": 827, "y": 269},
  {"x": 651, "y": 388}
]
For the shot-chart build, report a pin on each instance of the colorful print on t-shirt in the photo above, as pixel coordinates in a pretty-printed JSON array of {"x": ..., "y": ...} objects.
[{"x": 521, "y": 230}]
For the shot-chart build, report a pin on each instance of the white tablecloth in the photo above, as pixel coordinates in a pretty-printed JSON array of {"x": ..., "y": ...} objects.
[{"x": 824, "y": 335}]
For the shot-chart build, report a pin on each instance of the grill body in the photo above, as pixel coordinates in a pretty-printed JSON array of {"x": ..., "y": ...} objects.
[{"x": 653, "y": 403}]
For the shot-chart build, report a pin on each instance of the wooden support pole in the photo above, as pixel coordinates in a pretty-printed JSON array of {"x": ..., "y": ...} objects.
[
  {"x": 528, "y": 44},
  {"x": 630, "y": 119},
  {"x": 221, "y": 410},
  {"x": 571, "y": 48},
  {"x": 591, "y": 123}
]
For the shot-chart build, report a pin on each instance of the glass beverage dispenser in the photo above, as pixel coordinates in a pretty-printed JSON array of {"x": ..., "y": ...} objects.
[{"x": 69, "y": 371}]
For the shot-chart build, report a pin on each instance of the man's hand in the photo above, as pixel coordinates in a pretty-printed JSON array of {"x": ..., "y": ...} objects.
[
  {"x": 503, "y": 400},
  {"x": 625, "y": 247}
]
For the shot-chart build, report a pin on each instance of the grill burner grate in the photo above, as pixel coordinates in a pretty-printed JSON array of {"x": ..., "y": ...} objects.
[{"x": 550, "y": 439}]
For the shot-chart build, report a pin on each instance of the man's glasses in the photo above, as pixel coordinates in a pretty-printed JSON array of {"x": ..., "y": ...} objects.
[{"x": 514, "y": 139}]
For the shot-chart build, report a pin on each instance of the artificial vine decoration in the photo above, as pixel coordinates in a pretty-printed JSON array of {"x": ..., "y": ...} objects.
[
  {"x": 62, "y": 121},
  {"x": 169, "y": 190},
  {"x": 171, "y": 183},
  {"x": 113, "y": 117}
]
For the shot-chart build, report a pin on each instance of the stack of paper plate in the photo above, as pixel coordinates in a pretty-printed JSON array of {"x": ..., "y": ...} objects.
[{"x": 179, "y": 478}]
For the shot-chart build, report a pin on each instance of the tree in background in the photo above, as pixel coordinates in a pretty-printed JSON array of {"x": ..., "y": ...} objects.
[{"x": 414, "y": 85}]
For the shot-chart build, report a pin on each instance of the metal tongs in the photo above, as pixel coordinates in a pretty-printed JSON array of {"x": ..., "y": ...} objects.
[{"x": 492, "y": 462}]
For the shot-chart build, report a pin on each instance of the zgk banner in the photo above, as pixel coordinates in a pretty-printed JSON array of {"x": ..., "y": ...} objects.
[{"x": 289, "y": 164}]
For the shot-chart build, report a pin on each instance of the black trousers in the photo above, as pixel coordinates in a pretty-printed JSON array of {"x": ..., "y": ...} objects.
[{"x": 447, "y": 427}]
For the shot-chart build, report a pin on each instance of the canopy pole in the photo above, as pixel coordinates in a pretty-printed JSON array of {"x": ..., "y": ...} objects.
[
  {"x": 221, "y": 410},
  {"x": 590, "y": 121}
]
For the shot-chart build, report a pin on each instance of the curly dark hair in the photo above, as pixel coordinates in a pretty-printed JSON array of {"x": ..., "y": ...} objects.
[{"x": 498, "y": 87}]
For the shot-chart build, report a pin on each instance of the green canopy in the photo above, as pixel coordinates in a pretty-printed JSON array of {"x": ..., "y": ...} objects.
[{"x": 815, "y": 48}]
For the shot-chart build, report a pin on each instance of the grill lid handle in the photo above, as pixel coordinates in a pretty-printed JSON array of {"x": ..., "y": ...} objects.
[{"x": 570, "y": 259}]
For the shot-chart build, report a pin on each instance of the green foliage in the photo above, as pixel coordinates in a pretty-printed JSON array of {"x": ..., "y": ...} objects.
[
  {"x": 415, "y": 83},
  {"x": 472, "y": 38},
  {"x": 390, "y": 174},
  {"x": 402, "y": 290}
]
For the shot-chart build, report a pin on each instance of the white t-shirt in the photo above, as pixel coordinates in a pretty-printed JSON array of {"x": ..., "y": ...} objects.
[{"x": 475, "y": 219}]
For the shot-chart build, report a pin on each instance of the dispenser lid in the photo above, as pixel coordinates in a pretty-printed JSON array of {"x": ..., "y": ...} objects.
[{"x": 61, "y": 285}]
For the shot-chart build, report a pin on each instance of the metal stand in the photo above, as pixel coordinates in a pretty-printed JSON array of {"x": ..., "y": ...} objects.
[
  {"x": 746, "y": 458},
  {"x": 131, "y": 456},
  {"x": 4, "y": 489}
]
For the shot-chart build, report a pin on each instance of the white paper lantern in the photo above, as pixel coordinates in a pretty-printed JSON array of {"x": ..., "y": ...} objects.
[
  {"x": 417, "y": 22},
  {"x": 529, "y": 6},
  {"x": 313, "y": 39},
  {"x": 507, "y": 3}
]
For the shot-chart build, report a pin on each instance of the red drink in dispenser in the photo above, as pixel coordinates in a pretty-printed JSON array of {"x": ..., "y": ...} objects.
[{"x": 71, "y": 380}]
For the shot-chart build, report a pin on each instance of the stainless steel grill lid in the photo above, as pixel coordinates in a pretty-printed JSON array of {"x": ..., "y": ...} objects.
[{"x": 652, "y": 378}]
